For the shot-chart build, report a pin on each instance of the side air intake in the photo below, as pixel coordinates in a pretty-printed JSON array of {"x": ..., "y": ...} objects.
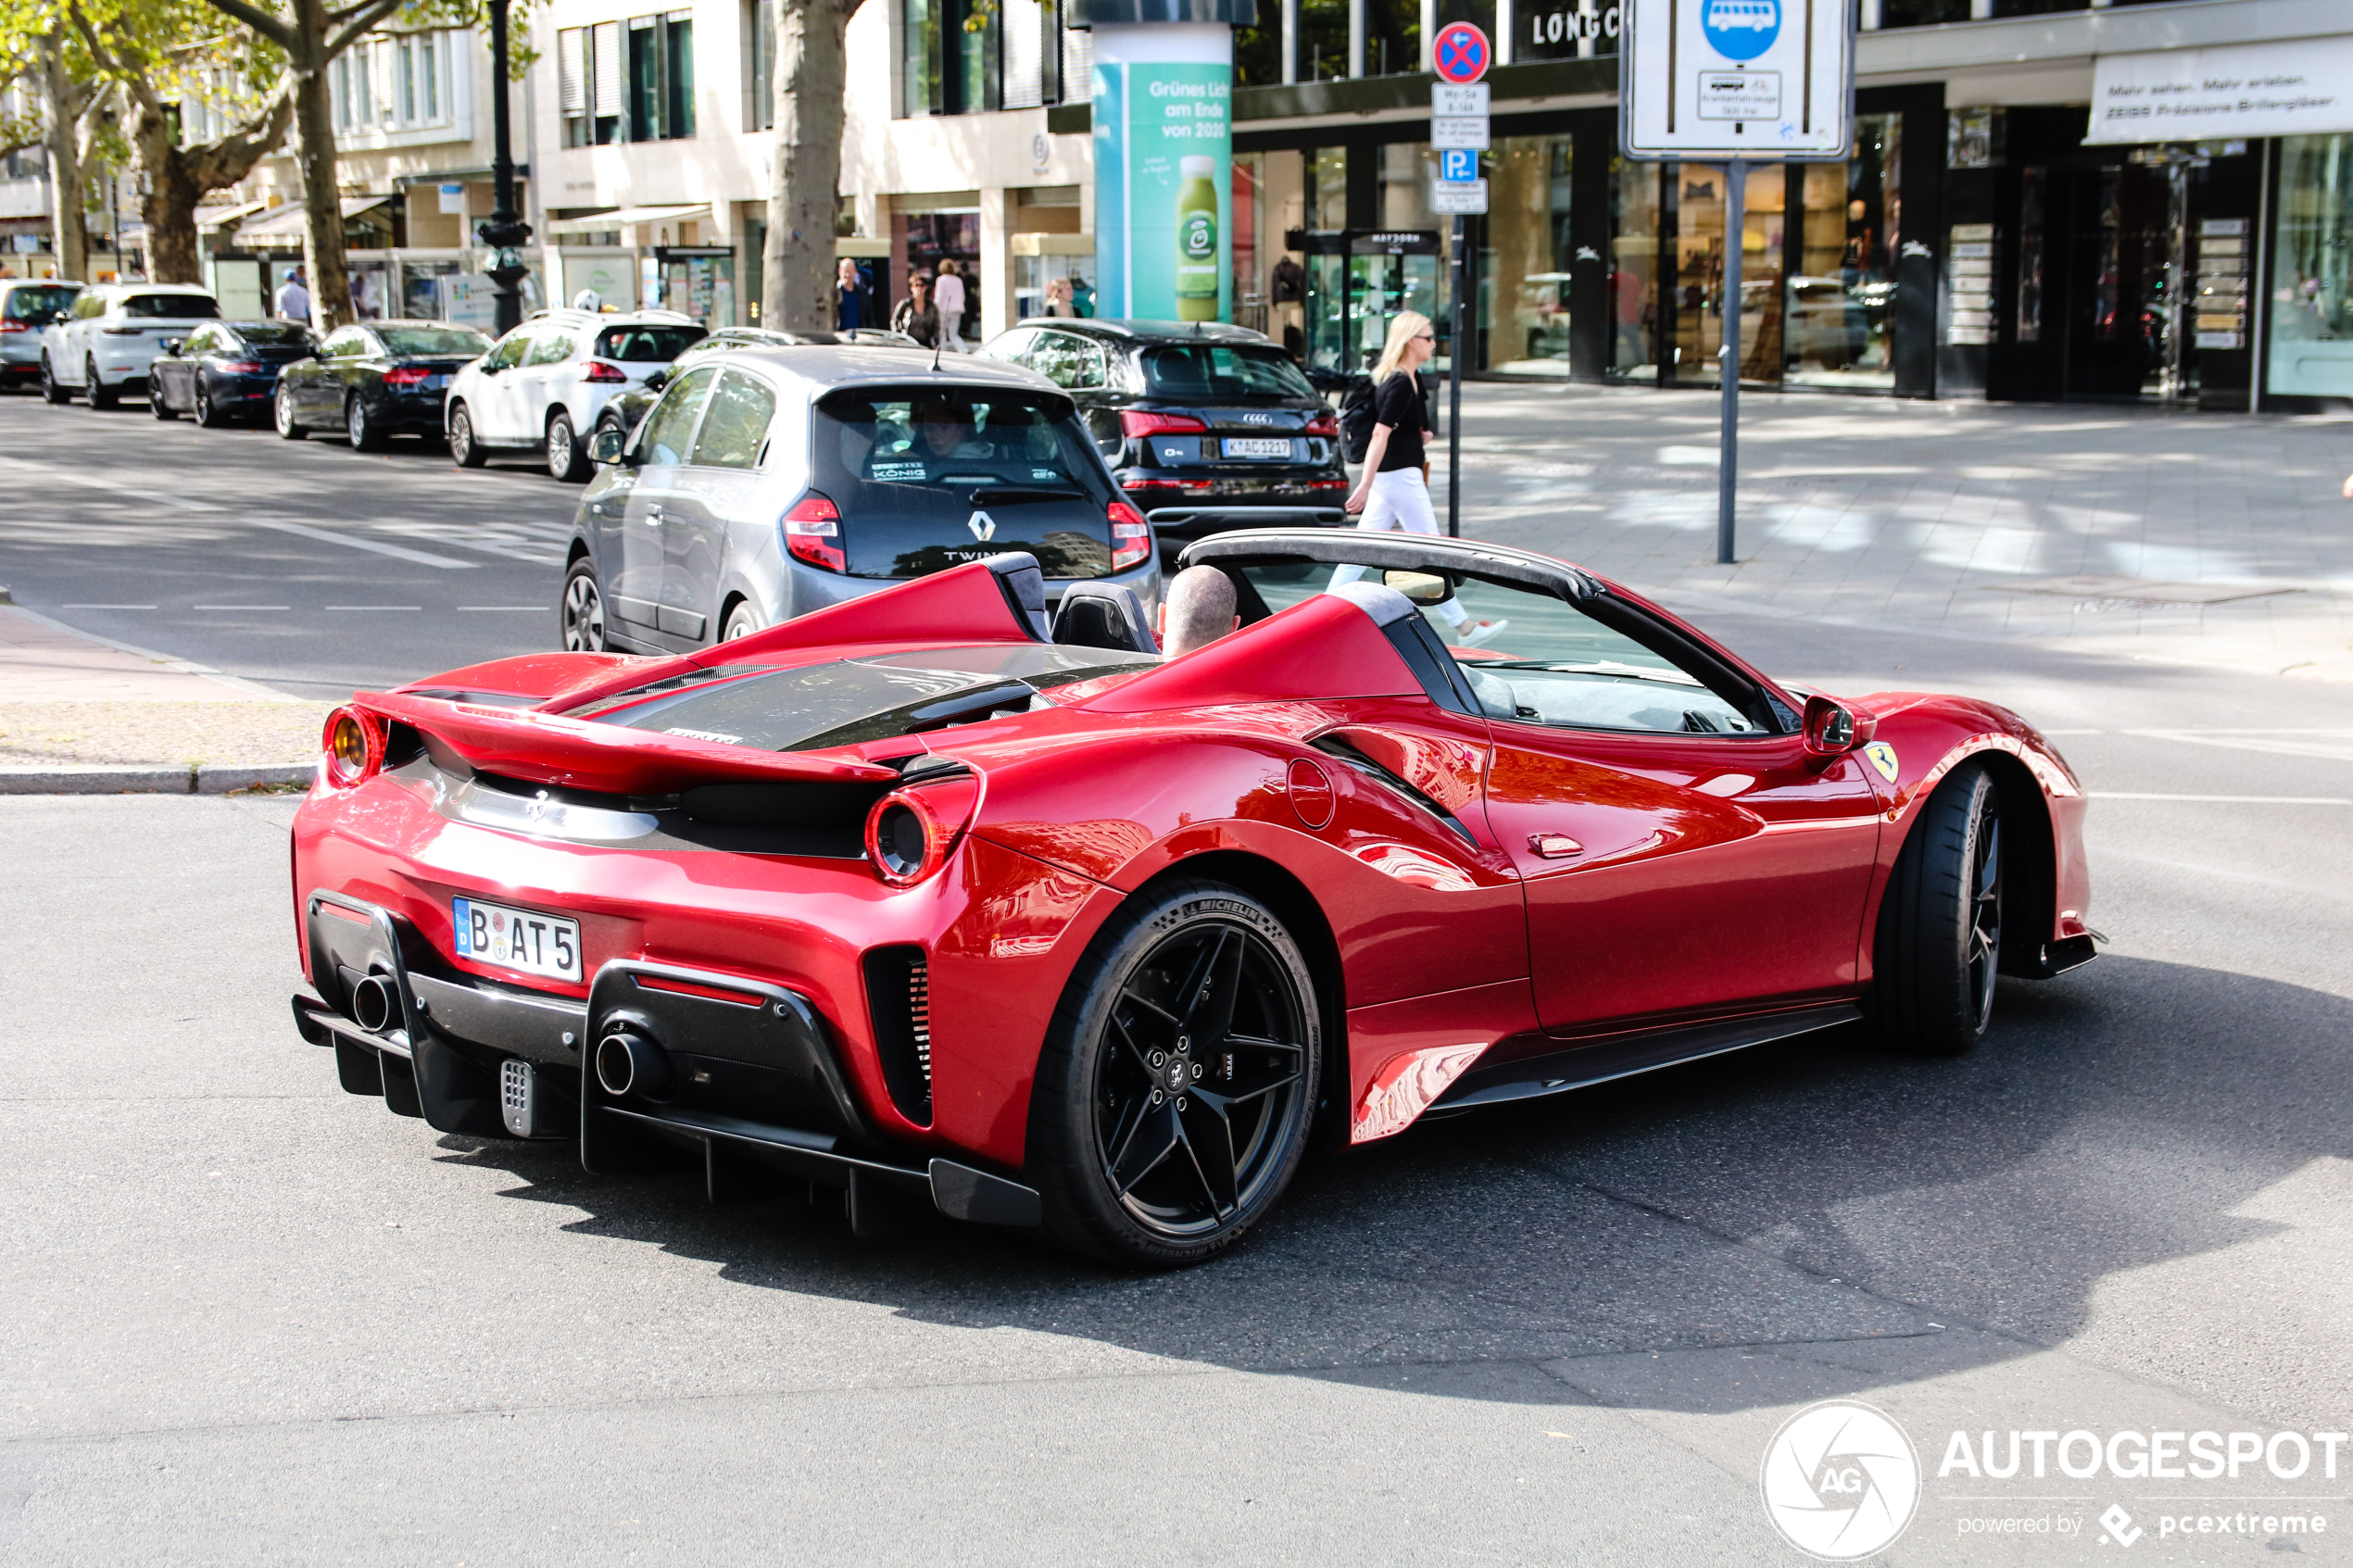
[{"x": 898, "y": 1000}]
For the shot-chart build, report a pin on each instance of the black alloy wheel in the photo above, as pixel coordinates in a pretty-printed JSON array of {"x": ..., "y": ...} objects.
[
  {"x": 100, "y": 396},
  {"x": 583, "y": 613},
  {"x": 464, "y": 450},
  {"x": 1937, "y": 956},
  {"x": 53, "y": 392},
  {"x": 207, "y": 414},
  {"x": 1179, "y": 1077},
  {"x": 282, "y": 411},
  {"x": 566, "y": 461},
  {"x": 157, "y": 404},
  {"x": 366, "y": 435}
]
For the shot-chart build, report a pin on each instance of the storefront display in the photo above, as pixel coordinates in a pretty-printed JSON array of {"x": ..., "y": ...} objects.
[{"x": 2311, "y": 308}]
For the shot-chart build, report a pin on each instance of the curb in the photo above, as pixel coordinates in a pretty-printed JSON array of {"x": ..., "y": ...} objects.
[{"x": 198, "y": 779}]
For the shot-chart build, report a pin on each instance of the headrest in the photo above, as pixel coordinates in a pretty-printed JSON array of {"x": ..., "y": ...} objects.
[
  {"x": 1025, "y": 587},
  {"x": 1103, "y": 615}
]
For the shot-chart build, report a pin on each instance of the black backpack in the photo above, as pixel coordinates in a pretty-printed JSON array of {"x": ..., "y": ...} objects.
[{"x": 1356, "y": 418}]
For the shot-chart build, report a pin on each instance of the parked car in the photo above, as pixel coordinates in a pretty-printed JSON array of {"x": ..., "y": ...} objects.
[
  {"x": 111, "y": 333},
  {"x": 374, "y": 381},
  {"x": 623, "y": 412},
  {"x": 541, "y": 386},
  {"x": 1206, "y": 428},
  {"x": 925, "y": 897},
  {"x": 771, "y": 481},
  {"x": 27, "y": 307},
  {"x": 224, "y": 369}
]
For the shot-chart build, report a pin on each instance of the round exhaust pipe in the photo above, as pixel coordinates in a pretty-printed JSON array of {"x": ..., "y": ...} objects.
[
  {"x": 375, "y": 1004},
  {"x": 628, "y": 1063}
]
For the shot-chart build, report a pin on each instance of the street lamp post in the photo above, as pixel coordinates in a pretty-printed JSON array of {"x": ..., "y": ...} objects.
[{"x": 503, "y": 232}]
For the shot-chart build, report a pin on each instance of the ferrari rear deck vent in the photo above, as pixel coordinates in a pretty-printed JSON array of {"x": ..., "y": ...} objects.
[{"x": 899, "y": 999}]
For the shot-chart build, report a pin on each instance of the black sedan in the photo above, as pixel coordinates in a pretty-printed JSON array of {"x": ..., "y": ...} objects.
[
  {"x": 1206, "y": 428},
  {"x": 623, "y": 412},
  {"x": 376, "y": 380},
  {"x": 224, "y": 369}
]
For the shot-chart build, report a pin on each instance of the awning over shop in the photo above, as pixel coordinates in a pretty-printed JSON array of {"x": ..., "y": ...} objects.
[
  {"x": 226, "y": 215},
  {"x": 287, "y": 219},
  {"x": 629, "y": 217}
]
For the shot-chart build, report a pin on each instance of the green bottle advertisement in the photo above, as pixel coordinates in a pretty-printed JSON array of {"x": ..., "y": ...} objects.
[{"x": 1196, "y": 239}]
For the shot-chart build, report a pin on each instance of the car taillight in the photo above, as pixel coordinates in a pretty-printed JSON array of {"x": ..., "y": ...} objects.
[
  {"x": 813, "y": 533},
  {"x": 1183, "y": 486},
  {"x": 1131, "y": 536},
  {"x": 248, "y": 368},
  {"x": 1135, "y": 422},
  {"x": 1324, "y": 425},
  {"x": 909, "y": 832},
  {"x": 1327, "y": 484},
  {"x": 402, "y": 375},
  {"x": 601, "y": 371},
  {"x": 15, "y": 326},
  {"x": 354, "y": 743}
]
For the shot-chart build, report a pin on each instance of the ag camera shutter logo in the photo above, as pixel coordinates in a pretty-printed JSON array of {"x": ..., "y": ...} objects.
[
  {"x": 1839, "y": 1480},
  {"x": 1740, "y": 30}
]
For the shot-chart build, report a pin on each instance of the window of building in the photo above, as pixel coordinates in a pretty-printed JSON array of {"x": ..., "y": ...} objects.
[
  {"x": 635, "y": 82},
  {"x": 970, "y": 56},
  {"x": 759, "y": 53},
  {"x": 2311, "y": 304},
  {"x": 1922, "y": 13},
  {"x": 1323, "y": 39},
  {"x": 1636, "y": 219},
  {"x": 390, "y": 84},
  {"x": 1840, "y": 309},
  {"x": 1392, "y": 37},
  {"x": 1529, "y": 258},
  {"x": 1258, "y": 51}
]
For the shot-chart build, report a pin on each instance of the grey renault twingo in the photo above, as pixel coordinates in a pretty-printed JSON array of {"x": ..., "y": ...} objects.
[{"x": 773, "y": 482}]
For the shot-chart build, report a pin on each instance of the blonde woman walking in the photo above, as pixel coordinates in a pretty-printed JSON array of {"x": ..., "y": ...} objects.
[{"x": 1393, "y": 490}]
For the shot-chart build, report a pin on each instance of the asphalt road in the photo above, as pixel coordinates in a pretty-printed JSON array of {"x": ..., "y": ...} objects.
[
  {"x": 252, "y": 1319},
  {"x": 303, "y": 565}
]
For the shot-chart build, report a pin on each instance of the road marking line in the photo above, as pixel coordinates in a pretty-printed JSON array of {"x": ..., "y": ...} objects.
[
  {"x": 401, "y": 552},
  {"x": 106, "y": 607},
  {"x": 2229, "y": 799},
  {"x": 347, "y": 607},
  {"x": 500, "y": 610},
  {"x": 240, "y": 606}
]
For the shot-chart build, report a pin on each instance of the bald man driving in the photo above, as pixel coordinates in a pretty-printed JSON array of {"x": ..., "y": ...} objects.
[{"x": 1197, "y": 611}]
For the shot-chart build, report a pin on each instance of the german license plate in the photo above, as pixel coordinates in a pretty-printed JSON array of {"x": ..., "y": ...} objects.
[
  {"x": 437, "y": 383},
  {"x": 1257, "y": 447},
  {"x": 523, "y": 940}
]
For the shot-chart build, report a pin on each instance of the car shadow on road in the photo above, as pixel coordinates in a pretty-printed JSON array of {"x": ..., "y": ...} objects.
[{"x": 1813, "y": 1192}]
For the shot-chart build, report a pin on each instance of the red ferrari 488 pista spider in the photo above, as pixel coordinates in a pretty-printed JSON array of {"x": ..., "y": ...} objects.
[{"x": 922, "y": 897}]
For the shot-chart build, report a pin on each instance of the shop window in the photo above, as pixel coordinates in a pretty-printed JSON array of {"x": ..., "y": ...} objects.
[
  {"x": 1323, "y": 39},
  {"x": 1392, "y": 37},
  {"x": 1528, "y": 256},
  {"x": 2311, "y": 304},
  {"x": 760, "y": 54},
  {"x": 1635, "y": 225},
  {"x": 1327, "y": 178},
  {"x": 1569, "y": 30},
  {"x": 1699, "y": 272},
  {"x": 1838, "y": 307}
]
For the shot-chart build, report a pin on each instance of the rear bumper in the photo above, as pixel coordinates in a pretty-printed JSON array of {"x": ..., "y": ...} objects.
[
  {"x": 1190, "y": 522},
  {"x": 756, "y": 1084},
  {"x": 417, "y": 413}
]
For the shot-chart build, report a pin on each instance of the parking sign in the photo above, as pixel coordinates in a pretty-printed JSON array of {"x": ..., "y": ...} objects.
[
  {"x": 1458, "y": 163},
  {"x": 1737, "y": 79}
]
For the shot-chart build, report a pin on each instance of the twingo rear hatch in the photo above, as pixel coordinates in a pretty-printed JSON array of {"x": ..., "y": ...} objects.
[{"x": 930, "y": 477}]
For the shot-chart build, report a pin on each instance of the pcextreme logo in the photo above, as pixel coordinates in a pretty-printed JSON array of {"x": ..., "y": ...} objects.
[{"x": 1839, "y": 1480}]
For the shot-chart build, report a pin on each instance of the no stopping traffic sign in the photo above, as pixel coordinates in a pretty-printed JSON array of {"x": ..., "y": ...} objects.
[{"x": 1461, "y": 53}]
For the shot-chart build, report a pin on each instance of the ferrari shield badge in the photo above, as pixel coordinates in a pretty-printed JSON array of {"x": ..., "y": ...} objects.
[{"x": 1882, "y": 756}]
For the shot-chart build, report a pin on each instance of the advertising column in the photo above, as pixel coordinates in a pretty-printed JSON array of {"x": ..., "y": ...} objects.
[{"x": 1163, "y": 170}]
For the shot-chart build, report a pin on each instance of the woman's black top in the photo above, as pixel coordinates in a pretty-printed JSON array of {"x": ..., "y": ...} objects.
[
  {"x": 921, "y": 325},
  {"x": 1397, "y": 403}
]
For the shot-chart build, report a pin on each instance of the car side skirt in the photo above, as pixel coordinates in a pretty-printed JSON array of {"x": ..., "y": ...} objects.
[{"x": 1584, "y": 1066}]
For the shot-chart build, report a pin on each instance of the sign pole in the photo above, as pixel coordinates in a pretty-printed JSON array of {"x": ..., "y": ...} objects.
[
  {"x": 1454, "y": 394},
  {"x": 1729, "y": 461}
]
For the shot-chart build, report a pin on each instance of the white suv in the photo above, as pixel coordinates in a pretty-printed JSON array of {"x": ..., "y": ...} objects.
[
  {"x": 543, "y": 384},
  {"x": 112, "y": 333}
]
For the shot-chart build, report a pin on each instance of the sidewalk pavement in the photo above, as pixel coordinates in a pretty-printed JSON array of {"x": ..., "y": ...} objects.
[
  {"x": 2208, "y": 538},
  {"x": 79, "y": 715}
]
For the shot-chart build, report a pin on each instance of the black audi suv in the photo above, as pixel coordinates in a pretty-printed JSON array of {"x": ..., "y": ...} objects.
[{"x": 1206, "y": 427}]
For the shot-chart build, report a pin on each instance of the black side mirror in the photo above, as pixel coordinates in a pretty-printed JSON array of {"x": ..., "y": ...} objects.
[
  {"x": 172, "y": 345},
  {"x": 608, "y": 447},
  {"x": 659, "y": 379}
]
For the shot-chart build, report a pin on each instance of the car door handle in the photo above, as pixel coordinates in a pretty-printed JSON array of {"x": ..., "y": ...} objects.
[{"x": 1553, "y": 846}]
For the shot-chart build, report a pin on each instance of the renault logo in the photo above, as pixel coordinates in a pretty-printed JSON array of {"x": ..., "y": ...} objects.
[{"x": 984, "y": 527}]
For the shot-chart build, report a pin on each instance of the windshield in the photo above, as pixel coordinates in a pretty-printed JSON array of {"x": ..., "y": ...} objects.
[
  {"x": 274, "y": 334},
  {"x": 646, "y": 345},
  {"x": 848, "y": 701},
  {"x": 171, "y": 306},
  {"x": 935, "y": 477},
  {"x": 1220, "y": 370},
  {"x": 463, "y": 341},
  {"x": 22, "y": 304}
]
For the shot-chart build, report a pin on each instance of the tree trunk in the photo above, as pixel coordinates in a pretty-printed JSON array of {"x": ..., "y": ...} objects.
[
  {"x": 69, "y": 241},
  {"x": 322, "y": 258},
  {"x": 179, "y": 177},
  {"x": 797, "y": 266}
]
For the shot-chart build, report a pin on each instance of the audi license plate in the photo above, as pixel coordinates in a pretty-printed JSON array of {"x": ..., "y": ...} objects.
[
  {"x": 1257, "y": 447},
  {"x": 523, "y": 940}
]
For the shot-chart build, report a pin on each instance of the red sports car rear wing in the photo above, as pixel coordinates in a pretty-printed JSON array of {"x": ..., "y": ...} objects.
[{"x": 608, "y": 759}]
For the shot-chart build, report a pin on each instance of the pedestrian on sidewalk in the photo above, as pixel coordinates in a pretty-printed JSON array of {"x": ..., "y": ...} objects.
[
  {"x": 1394, "y": 491},
  {"x": 853, "y": 303},
  {"x": 916, "y": 317},
  {"x": 293, "y": 297},
  {"x": 947, "y": 295}
]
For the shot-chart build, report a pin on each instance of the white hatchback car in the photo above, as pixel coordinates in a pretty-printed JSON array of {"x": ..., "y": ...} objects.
[
  {"x": 111, "y": 333},
  {"x": 542, "y": 385}
]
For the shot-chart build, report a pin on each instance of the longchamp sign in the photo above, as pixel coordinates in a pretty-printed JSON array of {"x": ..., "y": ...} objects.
[{"x": 2303, "y": 87}]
